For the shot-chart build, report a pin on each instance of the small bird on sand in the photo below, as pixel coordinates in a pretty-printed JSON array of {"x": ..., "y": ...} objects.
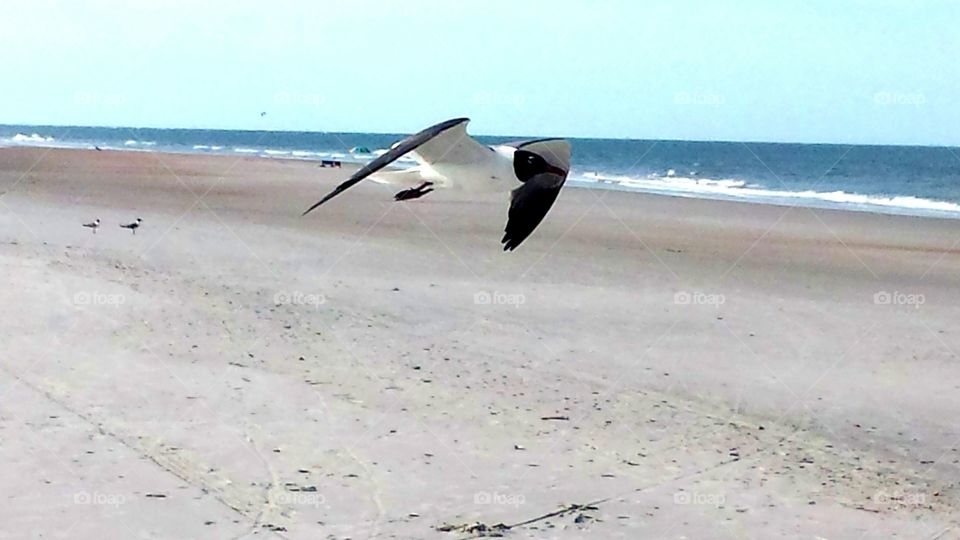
[
  {"x": 132, "y": 226},
  {"x": 94, "y": 225},
  {"x": 533, "y": 171}
]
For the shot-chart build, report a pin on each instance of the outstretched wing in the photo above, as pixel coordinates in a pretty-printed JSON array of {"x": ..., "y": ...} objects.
[
  {"x": 444, "y": 141},
  {"x": 529, "y": 204},
  {"x": 453, "y": 147}
]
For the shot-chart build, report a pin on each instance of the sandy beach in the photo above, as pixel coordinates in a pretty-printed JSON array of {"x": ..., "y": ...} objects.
[{"x": 675, "y": 368}]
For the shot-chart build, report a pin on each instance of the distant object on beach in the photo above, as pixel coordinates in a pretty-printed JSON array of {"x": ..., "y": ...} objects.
[
  {"x": 330, "y": 163},
  {"x": 98, "y": 149},
  {"x": 360, "y": 150},
  {"x": 533, "y": 171},
  {"x": 132, "y": 226},
  {"x": 93, "y": 225}
]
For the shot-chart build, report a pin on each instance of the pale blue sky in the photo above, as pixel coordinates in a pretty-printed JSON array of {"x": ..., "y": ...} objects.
[{"x": 878, "y": 71}]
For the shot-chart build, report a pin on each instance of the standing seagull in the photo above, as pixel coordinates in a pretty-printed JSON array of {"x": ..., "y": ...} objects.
[
  {"x": 95, "y": 224},
  {"x": 132, "y": 226},
  {"x": 534, "y": 171}
]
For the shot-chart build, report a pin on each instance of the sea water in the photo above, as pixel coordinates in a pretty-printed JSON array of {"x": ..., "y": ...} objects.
[{"x": 909, "y": 180}]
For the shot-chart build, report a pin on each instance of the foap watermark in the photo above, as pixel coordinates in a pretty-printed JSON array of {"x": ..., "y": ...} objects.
[
  {"x": 698, "y": 298},
  {"x": 496, "y": 298},
  {"x": 886, "y": 98},
  {"x": 897, "y": 298},
  {"x": 903, "y": 498},
  {"x": 496, "y": 498},
  {"x": 300, "y": 498},
  {"x": 700, "y": 99},
  {"x": 98, "y": 498},
  {"x": 99, "y": 99},
  {"x": 95, "y": 298},
  {"x": 298, "y": 298},
  {"x": 497, "y": 98},
  {"x": 298, "y": 99},
  {"x": 698, "y": 498}
]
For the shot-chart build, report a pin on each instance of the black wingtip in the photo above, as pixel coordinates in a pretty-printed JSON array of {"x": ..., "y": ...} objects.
[
  {"x": 509, "y": 244},
  {"x": 308, "y": 210},
  {"x": 321, "y": 201}
]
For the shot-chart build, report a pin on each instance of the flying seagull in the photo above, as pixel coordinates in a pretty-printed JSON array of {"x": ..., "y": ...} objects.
[
  {"x": 533, "y": 171},
  {"x": 132, "y": 226},
  {"x": 94, "y": 225}
]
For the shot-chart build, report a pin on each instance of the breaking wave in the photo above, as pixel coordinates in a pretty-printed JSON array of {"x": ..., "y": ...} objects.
[{"x": 741, "y": 190}]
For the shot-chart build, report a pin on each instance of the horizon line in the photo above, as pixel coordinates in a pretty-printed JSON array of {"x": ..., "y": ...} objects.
[{"x": 641, "y": 139}]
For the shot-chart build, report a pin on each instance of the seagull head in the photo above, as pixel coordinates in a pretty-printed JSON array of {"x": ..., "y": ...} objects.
[
  {"x": 528, "y": 164},
  {"x": 545, "y": 156}
]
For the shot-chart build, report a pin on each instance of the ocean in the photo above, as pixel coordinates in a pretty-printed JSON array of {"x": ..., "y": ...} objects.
[{"x": 908, "y": 180}]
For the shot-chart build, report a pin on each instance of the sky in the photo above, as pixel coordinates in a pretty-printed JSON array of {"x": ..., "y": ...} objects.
[{"x": 840, "y": 71}]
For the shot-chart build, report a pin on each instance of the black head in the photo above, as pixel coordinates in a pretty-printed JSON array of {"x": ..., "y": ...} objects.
[{"x": 527, "y": 164}]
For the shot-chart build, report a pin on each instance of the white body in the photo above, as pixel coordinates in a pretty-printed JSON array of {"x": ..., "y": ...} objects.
[{"x": 455, "y": 161}]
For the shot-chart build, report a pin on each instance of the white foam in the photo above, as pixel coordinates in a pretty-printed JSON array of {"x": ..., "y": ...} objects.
[
  {"x": 304, "y": 153},
  {"x": 897, "y": 201},
  {"x": 739, "y": 189},
  {"x": 276, "y": 152},
  {"x": 246, "y": 150},
  {"x": 32, "y": 138}
]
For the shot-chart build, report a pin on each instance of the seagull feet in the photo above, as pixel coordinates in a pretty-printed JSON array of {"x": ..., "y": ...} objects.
[{"x": 414, "y": 193}]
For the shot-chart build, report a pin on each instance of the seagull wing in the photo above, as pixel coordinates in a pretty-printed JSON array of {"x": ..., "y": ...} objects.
[
  {"x": 453, "y": 147},
  {"x": 529, "y": 204},
  {"x": 446, "y": 141}
]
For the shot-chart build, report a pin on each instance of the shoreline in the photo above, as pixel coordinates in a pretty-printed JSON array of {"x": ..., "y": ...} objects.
[{"x": 872, "y": 204}]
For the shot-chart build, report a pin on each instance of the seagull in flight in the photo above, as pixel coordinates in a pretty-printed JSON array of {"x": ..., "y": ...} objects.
[
  {"x": 533, "y": 171},
  {"x": 132, "y": 226},
  {"x": 93, "y": 225}
]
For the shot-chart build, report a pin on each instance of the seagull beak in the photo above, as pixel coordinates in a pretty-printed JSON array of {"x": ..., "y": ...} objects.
[{"x": 556, "y": 170}]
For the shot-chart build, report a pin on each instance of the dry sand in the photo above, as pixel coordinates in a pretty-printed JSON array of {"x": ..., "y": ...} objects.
[{"x": 381, "y": 369}]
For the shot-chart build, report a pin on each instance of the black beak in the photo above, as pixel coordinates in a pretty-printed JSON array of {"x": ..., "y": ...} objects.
[{"x": 556, "y": 170}]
